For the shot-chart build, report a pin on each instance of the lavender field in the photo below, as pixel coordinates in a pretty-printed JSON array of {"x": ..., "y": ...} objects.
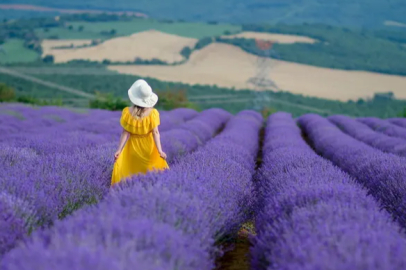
[{"x": 320, "y": 193}]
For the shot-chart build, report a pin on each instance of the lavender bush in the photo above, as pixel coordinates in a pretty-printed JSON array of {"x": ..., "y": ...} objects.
[
  {"x": 365, "y": 134},
  {"x": 384, "y": 126},
  {"x": 383, "y": 174},
  {"x": 58, "y": 169},
  {"x": 401, "y": 122},
  {"x": 165, "y": 220},
  {"x": 311, "y": 215}
]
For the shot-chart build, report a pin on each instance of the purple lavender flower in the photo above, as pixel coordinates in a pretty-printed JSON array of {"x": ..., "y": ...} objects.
[
  {"x": 381, "y": 173},
  {"x": 312, "y": 215},
  {"x": 365, "y": 134},
  {"x": 165, "y": 220},
  {"x": 60, "y": 167},
  {"x": 385, "y": 127}
]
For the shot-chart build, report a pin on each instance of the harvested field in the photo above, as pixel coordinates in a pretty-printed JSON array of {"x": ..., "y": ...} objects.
[
  {"x": 14, "y": 51},
  {"x": 228, "y": 66},
  {"x": 277, "y": 38},
  {"x": 146, "y": 45}
]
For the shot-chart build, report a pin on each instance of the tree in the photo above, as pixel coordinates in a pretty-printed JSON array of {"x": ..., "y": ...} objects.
[
  {"x": 48, "y": 59},
  {"x": 81, "y": 28},
  {"x": 203, "y": 43},
  {"x": 70, "y": 27},
  {"x": 186, "y": 51},
  {"x": 113, "y": 32},
  {"x": 6, "y": 93}
]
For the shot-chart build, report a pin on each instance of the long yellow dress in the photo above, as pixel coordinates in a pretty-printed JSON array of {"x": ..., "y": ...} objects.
[{"x": 140, "y": 154}]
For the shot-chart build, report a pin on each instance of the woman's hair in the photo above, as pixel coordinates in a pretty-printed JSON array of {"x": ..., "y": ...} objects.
[{"x": 138, "y": 111}]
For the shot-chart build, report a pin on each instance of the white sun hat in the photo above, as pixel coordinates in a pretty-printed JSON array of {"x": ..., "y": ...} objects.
[{"x": 140, "y": 94}]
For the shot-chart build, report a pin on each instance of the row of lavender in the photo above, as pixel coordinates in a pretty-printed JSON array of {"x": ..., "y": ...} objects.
[
  {"x": 66, "y": 130},
  {"x": 167, "y": 220},
  {"x": 377, "y": 139},
  {"x": 383, "y": 174},
  {"x": 44, "y": 179},
  {"x": 312, "y": 215},
  {"x": 298, "y": 193}
]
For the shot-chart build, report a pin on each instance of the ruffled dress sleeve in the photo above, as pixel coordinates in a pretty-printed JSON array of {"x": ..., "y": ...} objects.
[{"x": 139, "y": 126}]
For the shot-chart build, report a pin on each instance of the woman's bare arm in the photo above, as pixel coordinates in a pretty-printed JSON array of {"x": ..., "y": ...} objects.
[
  {"x": 123, "y": 140},
  {"x": 157, "y": 139}
]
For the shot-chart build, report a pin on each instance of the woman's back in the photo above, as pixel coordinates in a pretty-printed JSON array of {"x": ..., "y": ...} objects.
[{"x": 139, "y": 125}]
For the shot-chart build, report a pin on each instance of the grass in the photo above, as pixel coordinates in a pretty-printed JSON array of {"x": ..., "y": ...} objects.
[
  {"x": 14, "y": 52},
  {"x": 186, "y": 29}
]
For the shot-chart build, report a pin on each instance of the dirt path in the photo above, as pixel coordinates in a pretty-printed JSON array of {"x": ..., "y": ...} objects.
[
  {"x": 237, "y": 258},
  {"x": 46, "y": 83}
]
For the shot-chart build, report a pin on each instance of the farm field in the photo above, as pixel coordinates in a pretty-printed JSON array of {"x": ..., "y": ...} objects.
[
  {"x": 13, "y": 51},
  {"x": 277, "y": 38},
  {"x": 229, "y": 66},
  {"x": 307, "y": 202},
  {"x": 313, "y": 60},
  {"x": 145, "y": 45}
]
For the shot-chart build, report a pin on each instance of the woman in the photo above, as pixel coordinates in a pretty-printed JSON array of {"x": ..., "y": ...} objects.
[{"x": 140, "y": 147}]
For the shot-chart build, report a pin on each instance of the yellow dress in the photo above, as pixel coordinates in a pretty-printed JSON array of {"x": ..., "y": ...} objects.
[{"x": 140, "y": 154}]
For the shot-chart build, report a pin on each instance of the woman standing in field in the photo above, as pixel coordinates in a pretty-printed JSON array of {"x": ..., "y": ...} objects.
[{"x": 140, "y": 148}]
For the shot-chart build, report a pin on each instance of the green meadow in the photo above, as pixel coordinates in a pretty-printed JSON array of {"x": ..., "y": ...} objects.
[{"x": 13, "y": 51}]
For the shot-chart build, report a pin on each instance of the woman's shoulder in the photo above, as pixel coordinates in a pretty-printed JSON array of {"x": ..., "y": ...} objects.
[
  {"x": 126, "y": 114},
  {"x": 126, "y": 110},
  {"x": 155, "y": 111}
]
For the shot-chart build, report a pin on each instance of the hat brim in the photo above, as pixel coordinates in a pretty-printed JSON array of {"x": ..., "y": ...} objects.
[{"x": 146, "y": 103}]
